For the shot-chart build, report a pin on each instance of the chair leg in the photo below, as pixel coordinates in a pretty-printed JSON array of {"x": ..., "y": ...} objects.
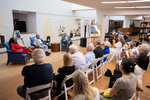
[{"x": 7, "y": 63}]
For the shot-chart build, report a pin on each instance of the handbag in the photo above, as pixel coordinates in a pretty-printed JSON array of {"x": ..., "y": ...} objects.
[
  {"x": 107, "y": 93},
  {"x": 108, "y": 73}
]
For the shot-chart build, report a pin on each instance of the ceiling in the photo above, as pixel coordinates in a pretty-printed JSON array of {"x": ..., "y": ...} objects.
[{"x": 98, "y": 5}]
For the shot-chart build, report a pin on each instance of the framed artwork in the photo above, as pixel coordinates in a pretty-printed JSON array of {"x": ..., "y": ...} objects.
[{"x": 94, "y": 30}]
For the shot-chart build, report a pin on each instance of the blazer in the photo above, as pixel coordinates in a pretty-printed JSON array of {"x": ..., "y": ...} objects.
[
  {"x": 62, "y": 73},
  {"x": 98, "y": 52}
]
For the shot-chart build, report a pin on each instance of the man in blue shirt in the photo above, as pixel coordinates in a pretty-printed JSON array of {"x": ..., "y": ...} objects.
[
  {"x": 119, "y": 33},
  {"x": 90, "y": 56},
  {"x": 128, "y": 37}
]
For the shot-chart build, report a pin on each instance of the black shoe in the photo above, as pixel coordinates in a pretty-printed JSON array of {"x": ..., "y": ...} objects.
[
  {"x": 148, "y": 87},
  {"x": 47, "y": 53}
]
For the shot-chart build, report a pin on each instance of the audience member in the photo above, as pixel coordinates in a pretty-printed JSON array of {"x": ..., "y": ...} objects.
[
  {"x": 106, "y": 49},
  {"x": 90, "y": 56},
  {"x": 125, "y": 86},
  {"x": 134, "y": 49},
  {"x": 16, "y": 47},
  {"x": 128, "y": 37},
  {"x": 77, "y": 57},
  {"x": 146, "y": 41},
  {"x": 119, "y": 32},
  {"x": 82, "y": 90},
  {"x": 117, "y": 45},
  {"x": 37, "y": 74},
  {"x": 38, "y": 43},
  {"x": 66, "y": 40},
  {"x": 67, "y": 69}
]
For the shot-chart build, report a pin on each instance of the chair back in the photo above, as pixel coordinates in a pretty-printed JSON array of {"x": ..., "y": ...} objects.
[
  {"x": 7, "y": 45},
  {"x": 32, "y": 39},
  {"x": 37, "y": 88},
  {"x": 85, "y": 67},
  {"x": 67, "y": 77}
]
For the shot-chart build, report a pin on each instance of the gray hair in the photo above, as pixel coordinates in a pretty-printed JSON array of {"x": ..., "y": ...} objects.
[
  {"x": 133, "y": 44},
  {"x": 73, "y": 48},
  {"x": 145, "y": 48},
  {"x": 98, "y": 41},
  {"x": 122, "y": 39},
  {"x": 38, "y": 55},
  {"x": 107, "y": 44},
  {"x": 90, "y": 46}
]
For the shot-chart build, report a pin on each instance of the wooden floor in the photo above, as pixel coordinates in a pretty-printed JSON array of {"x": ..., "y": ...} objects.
[{"x": 11, "y": 78}]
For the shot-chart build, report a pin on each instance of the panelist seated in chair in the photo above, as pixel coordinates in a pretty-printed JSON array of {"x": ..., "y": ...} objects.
[
  {"x": 16, "y": 47},
  {"x": 38, "y": 43},
  {"x": 39, "y": 73},
  {"x": 66, "y": 40}
]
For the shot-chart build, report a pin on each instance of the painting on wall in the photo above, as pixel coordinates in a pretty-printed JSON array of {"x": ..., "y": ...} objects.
[
  {"x": 75, "y": 28},
  {"x": 48, "y": 27},
  {"x": 62, "y": 26},
  {"x": 94, "y": 30}
]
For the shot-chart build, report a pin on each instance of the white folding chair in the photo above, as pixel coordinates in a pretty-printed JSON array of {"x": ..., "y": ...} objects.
[
  {"x": 98, "y": 67},
  {"x": 37, "y": 88},
  {"x": 104, "y": 63},
  {"x": 63, "y": 85},
  {"x": 133, "y": 97},
  {"x": 115, "y": 55}
]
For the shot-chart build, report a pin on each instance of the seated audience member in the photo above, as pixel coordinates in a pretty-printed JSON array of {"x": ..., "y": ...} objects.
[
  {"x": 117, "y": 45},
  {"x": 16, "y": 47},
  {"x": 77, "y": 57},
  {"x": 128, "y": 37},
  {"x": 37, "y": 74},
  {"x": 125, "y": 86},
  {"x": 146, "y": 41},
  {"x": 106, "y": 49},
  {"x": 90, "y": 56},
  {"x": 67, "y": 69},
  {"x": 82, "y": 90},
  {"x": 66, "y": 40},
  {"x": 142, "y": 63},
  {"x": 119, "y": 32},
  {"x": 134, "y": 49},
  {"x": 98, "y": 51},
  {"x": 38, "y": 43}
]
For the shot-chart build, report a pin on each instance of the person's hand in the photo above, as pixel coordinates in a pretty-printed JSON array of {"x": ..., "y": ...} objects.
[
  {"x": 63, "y": 66},
  {"x": 129, "y": 46},
  {"x": 36, "y": 45},
  {"x": 56, "y": 73},
  {"x": 114, "y": 40},
  {"x": 126, "y": 46}
]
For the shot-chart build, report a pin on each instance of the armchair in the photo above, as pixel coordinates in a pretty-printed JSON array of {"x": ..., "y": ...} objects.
[
  {"x": 15, "y": 56},
  {"x": 32, "y": 40}
]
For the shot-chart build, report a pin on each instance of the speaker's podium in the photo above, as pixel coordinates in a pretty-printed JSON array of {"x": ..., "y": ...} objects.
[{"x": 83, "y": 42}]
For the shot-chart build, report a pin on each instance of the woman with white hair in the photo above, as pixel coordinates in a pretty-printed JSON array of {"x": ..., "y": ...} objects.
[
  {"x": 117, "y": 45},
  {"x": 106, "y": 49},
  {"x": 90, "y": 56},
  {"x": 82, "y": 90},
  {"x": 37, "y": 74},
  {"x": 77, "y": 57}
]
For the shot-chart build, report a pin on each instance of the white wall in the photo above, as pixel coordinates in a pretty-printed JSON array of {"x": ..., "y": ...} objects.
[
  {"x": 54, "y": 8},
  {"x": 31, "y": 22}
]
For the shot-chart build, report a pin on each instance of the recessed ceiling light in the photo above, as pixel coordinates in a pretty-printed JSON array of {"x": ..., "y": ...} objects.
[
  {"x": 115, "y": 2},
  {"x": 138, "y": 1},
  {"x": 142, "y": 6},
  {"x": 124, "y": 7}
]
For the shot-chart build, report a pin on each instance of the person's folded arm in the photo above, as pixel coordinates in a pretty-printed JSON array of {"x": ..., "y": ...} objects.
[
  {"x": 113, "y": 91},
  {"x": 139, "y": 86}
]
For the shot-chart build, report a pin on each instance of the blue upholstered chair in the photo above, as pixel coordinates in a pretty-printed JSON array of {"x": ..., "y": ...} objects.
[
  {"x": 15, "y": 56},
  {"x": 64, "y": 46},
  {"x": 32, "y": 40}
]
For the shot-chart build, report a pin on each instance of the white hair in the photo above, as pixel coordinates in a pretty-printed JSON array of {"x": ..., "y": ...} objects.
[
  {"x": 38, "y": 56},
  {"x": 90, "y": 46},
  {"x": 145, "y": 48},
  {"x": 73, "y": 48},
  {"x": 107, "y": 44}
]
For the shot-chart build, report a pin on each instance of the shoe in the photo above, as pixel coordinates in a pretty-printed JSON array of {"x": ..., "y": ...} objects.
[
  {"x": 148, "y": 87},
  {"x": 47, "y": 53}
]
